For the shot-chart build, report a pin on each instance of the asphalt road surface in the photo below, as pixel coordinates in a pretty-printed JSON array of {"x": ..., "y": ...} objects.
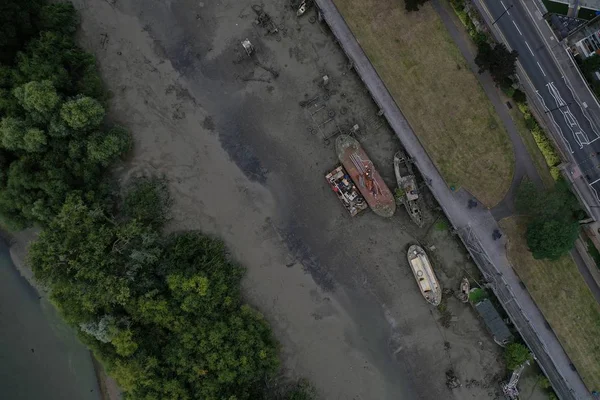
[{"x": 569, "y": 115}]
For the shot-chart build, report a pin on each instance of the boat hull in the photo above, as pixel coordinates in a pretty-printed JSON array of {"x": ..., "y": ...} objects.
[
  {"x": 362, "y": 171},
  {"x": 424, "y": 275},
  {"x": 407, "y": 184}
]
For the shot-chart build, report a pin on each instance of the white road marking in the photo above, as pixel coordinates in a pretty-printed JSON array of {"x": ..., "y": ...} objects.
[
  {"x": 541, "y": 68},
  {"x": 554, "y": 122},
  {"x": 594, "y": 181},
  {"x": 584, "y": 113},
  {"x": 505, "y": 9},
  {"x": 531, "y": 51},
  {"x": 518, "y": 30}
]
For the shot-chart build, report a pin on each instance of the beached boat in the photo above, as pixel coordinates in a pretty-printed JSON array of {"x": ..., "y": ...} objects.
[
  {"x": 365, "y": 176},
  {"x": 407, "y": 183},
  {"x": 421, "y": 267},
  {"x": 342, "y": 185}
]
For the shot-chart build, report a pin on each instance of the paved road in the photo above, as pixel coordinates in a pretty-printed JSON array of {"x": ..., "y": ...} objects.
[
  {"x": 569, "y": 116},
  {"x": 474, "y": 226}
]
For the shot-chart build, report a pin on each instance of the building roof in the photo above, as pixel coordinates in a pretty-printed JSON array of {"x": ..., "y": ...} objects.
[{"x": 494, "y": 322}]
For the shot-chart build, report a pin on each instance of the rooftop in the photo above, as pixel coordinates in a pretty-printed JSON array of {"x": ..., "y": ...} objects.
[{"x": 494, "y": 322}]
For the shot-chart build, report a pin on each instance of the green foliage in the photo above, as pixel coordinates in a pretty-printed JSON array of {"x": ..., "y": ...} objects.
[
  {"x": 500, "y": 62},
  {"x": 49, "y": 147},
  {"x": 519, "y": 97},
  {"x": 553, "y": 227},
  {"x": 106, "y": 147},
  {"x": 39, "y": 99},
  {"x": 508, "y": 90},
  {"x": 593, "y": 251},
  {"x": 147, "y": 199},
  {"x": 551, "y": 238},
  {"x": 591, "y": 64},
  {"x": 413, "y": 5},
  {"x": 17, "y": 26},
  {"x": 516, "y": 354},
  {"x": 441, "y": 225},
  {"x": 82, "y": 113},
  {"x": 476, "y": 295},
  {"x": 459, "y": 8},
  {"x": 544, "y": 382},
  {"x": 164, "y": 316},
  {"x": 58, "y": 17}
]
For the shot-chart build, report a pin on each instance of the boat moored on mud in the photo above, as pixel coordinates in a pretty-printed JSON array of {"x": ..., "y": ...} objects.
[
  {"x": 407, "y": 184},
  {"x": 365, "y": 176},
  {"x": 423, "y": 271}
]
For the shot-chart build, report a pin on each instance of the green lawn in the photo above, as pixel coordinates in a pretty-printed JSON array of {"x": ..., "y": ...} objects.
[{"x": 437, "y": 92}]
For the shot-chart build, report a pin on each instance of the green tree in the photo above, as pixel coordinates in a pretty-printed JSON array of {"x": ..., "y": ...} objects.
[
  {"x": 44, "y": 59},
  {"x": 104, "y": 148},
  {"x": 500, "y": 62},
  {"x": 165, "y": 317},
  {"x": 39, "y": 99},
  {"x": 82, "y": 113},
  {"x": 147, "y": 199},
  {"x": 551, "y": 237},
  {"x": 58, "y": 17},
  {"x": 16, "y": 26},
  {"x": 553, "y": 227},
  {"x": 516, "y": 354},
  {"x": 544, "y": 382}
]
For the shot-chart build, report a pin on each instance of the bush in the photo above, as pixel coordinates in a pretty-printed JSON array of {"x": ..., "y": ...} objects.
[
  {"x": 147, "y": 200},
  {"x": 476, "y": 295},
  {"x": 442, "y": 225},
  {"x": 515, "y": 354},
  {"x": 544, "y": 382},
  {"x": 519, "y": 97}
]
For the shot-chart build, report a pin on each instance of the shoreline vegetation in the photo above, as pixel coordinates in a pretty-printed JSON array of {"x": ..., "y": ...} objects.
[{"x": 162, "y": 313}]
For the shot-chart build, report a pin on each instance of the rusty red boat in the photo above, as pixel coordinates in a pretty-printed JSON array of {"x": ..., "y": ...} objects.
[{"x": 362, "y": 171}]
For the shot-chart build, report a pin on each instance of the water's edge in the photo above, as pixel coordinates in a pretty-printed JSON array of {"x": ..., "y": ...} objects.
[{"x": 17, "y": 245}]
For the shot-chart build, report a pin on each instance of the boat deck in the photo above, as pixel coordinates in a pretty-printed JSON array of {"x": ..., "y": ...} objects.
[{"x": 365, "y": 176}]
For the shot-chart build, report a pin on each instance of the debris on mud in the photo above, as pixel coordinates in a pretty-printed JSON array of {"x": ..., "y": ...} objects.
[
  {"x": 452, "y": 380},
  {"x": 264, "y": 20}
]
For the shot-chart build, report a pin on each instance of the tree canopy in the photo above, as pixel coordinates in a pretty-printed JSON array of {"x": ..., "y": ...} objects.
[
  {"x": 516, "y": 354},
  {"x": 553, "y": 226},
  {"x": 164, "y": 314},
  {"x": 500, "y": 62},
  {"x": 52, "y": 135}
]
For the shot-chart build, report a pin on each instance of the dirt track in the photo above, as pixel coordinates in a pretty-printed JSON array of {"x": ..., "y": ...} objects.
[{"x": 243, "y": 164}]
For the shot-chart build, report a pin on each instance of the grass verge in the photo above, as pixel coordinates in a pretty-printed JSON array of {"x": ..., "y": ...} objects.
[
  {"x": 563, "y": 297},
  {"x": 439, "y": 95}
]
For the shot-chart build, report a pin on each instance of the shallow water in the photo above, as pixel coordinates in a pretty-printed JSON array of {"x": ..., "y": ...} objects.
[{"x": 40, "y": 357}]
